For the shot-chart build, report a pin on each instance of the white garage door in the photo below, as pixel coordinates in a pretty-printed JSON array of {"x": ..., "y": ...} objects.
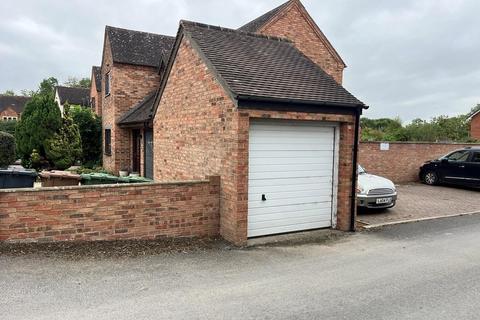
[{"x": 291, "y": 177}]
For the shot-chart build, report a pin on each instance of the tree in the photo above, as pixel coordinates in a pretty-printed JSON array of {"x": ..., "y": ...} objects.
[
  {"x": 73, "y": 82},
  {"x": 438, "y": 129},
  {"x": 47, "y": 87},
  {"x": 27, "y": 93},
  {"x": 64, "y": 148},
  {"x": 9, "y": 93},
  {"x": 40, "y": 120},
  {"x": 7, "y": 149},
  {"x": 90, "y": 127},
  {"x": 383, "y": 129},
  {"x": 8, "y": 127}
]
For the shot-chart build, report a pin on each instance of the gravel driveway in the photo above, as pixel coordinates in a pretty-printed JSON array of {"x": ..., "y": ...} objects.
[{"x": 418, "y": 201}]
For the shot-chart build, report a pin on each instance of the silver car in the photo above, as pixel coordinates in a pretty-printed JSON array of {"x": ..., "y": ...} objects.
[{"x": 374, "y": 191}]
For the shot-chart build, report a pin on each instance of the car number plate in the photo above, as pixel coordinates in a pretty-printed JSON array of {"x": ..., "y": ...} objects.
[{"x": 384, "y": 200}]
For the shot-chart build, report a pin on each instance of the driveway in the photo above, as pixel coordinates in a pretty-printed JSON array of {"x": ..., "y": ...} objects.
[
  {"x": 426, "y": 270},
  {"x": 418, "y": 201}
]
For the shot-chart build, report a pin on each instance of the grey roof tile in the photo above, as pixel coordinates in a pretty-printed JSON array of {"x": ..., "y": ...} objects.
[
  {"x": 17, "y": 103},
  {"x": 138, "y": 48},
  {"x": 255, "y": 25},
  {"x": 77, "y": 96},
  {"x": 97, "y": 75},
  {"x": 266, "y": 67}
]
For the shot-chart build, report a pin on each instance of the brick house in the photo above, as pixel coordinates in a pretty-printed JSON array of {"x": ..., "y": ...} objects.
[
  {"x": 262, "y": 107},
  {"x": 131, "y": 71},
  {"x": 96, "y": 90},
  {"x": 72, "y": 96},
  {"x": 11, "y": 107},
  {"x": 475, "y": 125},
  {"x": 255, "y": 109}
]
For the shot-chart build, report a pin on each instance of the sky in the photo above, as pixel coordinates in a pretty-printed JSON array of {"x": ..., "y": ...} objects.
[{"x": 408, "y": 59}]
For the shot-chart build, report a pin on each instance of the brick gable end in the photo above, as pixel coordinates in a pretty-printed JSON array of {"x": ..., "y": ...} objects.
[
  {"x": 295, "y": 24},
  {"x": 475, "y": 127}
]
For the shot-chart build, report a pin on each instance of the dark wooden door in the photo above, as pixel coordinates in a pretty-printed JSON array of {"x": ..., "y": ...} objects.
[{"x": 136, "y": 151}]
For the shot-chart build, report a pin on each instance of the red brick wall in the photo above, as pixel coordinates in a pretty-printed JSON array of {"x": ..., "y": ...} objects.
[
  {"x": 402, "y": 162},
  {"x": 198, "y": 131},
  {"x": 96, "y": 95},
  {"x": 475, "y": 127},
  {"x": 89, "y": 213},
  {"x": 129, "y": 85},
  {"x": 195, "y": 130},
  {"x": 295, "y": 25}
]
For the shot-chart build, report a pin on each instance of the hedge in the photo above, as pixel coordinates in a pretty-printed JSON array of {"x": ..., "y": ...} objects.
[{"x": 7, "y": 149}]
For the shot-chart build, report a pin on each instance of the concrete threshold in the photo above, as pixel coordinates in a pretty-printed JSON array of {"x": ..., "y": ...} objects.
[
  {"x": 297, "y": 238},
  {"x": 366, "y": 226}
]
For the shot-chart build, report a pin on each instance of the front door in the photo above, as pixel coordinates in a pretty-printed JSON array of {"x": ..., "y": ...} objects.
[
  {"x": 149, "y": 153},
  {"x": 136, "y": 139}
]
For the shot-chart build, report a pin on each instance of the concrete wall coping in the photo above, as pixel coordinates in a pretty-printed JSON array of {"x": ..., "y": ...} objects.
[{"x": 111, "y": 186}]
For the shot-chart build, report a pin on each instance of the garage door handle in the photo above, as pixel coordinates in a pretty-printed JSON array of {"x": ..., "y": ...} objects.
[{"x": 264, "y": 198}]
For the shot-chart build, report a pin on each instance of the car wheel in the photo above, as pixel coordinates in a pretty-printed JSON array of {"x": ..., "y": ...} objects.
[{"x": 430, "y": 178}]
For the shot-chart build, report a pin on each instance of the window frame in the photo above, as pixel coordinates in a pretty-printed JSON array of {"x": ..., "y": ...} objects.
[
  {"x": 463, "y": 152},
  {"x": 108, "y": 84},
  {"x": 107, "y": 142}
]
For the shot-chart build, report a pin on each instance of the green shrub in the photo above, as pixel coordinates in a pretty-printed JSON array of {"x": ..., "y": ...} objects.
[
  {"x": 64, "y": 148},
  {"x": 40, "y": 120},
  {"x": 8, "y": 127},
  {"x": 90, "y": 127},
  {"x": 7, "y": 149}
]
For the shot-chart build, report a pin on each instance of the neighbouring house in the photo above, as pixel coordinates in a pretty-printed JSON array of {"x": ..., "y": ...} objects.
[
  {"x": 96, "y": 90},
  {"x": 262, "y": 107},
  {"x": 131, "y": 72},
  {"x": 72, "y": 96},
  {"x": 475, "y": 125},
  {"x": 11, "y": 107}
]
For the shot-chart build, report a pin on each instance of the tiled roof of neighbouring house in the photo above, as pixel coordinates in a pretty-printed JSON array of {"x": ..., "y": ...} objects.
[
  {"x": 474, "y": 114},
  {"x": 140, "y": 113},
  {"x": 255, "y": 25},
  {"x": 97, "y": 76},
  {"x": 265, "y": 67},
  {"x": 17, "y": 103},
  {"x": 78, "y": 96},
  {"x": 138, "y": 48}
]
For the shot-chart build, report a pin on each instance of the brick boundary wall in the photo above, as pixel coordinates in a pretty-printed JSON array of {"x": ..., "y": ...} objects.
[
  {"x": 401, "y": 163},
  {"x": 111, "y": 212}
]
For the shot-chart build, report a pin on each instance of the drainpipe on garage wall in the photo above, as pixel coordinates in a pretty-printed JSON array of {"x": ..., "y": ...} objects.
[{"x": 353, "y": 199}]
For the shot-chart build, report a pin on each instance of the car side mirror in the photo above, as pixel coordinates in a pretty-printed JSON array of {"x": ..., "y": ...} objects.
[{"x": 444, "y": 161}]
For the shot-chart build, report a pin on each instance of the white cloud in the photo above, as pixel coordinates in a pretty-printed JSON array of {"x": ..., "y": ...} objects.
[{"x": 412, "y": 58}]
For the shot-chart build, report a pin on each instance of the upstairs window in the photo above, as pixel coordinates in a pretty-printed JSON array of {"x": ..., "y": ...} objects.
[
  {"x": 107, "y": 84},
  {"x": 92, "y": 103},
  {"x": 108, "y": 142}
]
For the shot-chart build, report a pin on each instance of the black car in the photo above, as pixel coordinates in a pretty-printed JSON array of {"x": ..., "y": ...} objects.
[{"x": 461, "y": 167}]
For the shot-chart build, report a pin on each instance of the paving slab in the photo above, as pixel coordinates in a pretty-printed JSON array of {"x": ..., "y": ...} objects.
[{"x": 421, "y": 202}]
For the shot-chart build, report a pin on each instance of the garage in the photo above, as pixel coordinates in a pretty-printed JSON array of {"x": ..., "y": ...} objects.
[{"x": 292, "y": 181}]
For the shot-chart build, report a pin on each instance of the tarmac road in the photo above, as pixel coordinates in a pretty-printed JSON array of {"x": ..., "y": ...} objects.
[{"x": 426, "y": 270}]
